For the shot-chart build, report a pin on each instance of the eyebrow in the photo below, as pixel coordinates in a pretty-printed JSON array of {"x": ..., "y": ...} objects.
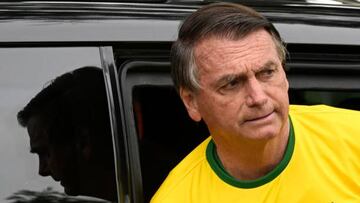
[
  {"x": 241, "y": 76},
  {"x": 268, "y": 64},
  {"x": 228, "y": 78}
]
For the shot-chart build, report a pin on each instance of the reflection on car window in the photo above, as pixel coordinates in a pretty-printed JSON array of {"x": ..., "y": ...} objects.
[
  {"x": 24, "y": 73},
  {"x": 69, "y": 129}
]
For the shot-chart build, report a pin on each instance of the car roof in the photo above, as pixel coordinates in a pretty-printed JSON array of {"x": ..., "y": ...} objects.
[{"x": 104, "y": 22}]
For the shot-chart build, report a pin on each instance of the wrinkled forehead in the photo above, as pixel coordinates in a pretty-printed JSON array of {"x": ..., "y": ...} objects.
[
  {"x": 260, "y": 35},
  {"x": 255, "y": 47}
]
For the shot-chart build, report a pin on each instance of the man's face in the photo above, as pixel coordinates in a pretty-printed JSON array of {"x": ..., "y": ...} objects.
[
  {"x": 243, "y": 87},
  {"x": 57, "y": 161}
]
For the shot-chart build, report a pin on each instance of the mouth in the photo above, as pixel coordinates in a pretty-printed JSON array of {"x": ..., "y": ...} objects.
[
  {"x": 263, "y": 117},
  {"x": 56, "y": 179}
]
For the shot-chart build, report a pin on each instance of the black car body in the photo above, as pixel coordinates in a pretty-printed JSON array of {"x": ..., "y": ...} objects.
[{"x": 131, "y": 42}]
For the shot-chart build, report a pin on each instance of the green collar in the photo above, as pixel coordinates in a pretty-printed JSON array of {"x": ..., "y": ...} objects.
[{"x": 218, "y": 168}]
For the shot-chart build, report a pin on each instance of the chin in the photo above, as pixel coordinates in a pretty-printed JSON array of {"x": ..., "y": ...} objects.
[
  {"x": 267, "y": 132},
  {"x": 263, "y": 134}
]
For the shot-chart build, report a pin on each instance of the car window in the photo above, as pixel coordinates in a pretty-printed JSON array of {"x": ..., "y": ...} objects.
[
  {"x": 160, "y": 134},
  {"x": 23, "y": 73}
]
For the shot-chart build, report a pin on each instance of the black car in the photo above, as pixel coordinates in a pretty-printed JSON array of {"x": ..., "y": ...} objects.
[{"x": 131, "y": 41}]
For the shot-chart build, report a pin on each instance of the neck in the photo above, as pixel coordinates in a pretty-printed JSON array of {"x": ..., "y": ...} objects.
[
  {"x": 252, "y": 159},
  {"x": 108, "y": 192},
  {"x": 107, "y": 188},
  {"x": 102, "y": 184}
]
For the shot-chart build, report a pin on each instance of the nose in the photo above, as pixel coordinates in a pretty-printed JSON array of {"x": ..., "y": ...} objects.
[
  {"x": 43, "y": 167},
  {"x": 256, "y": 95}
]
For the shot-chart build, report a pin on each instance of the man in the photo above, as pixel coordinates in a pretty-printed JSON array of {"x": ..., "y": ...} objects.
[
  {"x": 69, "y": 129},
  {"x": 228, "y": 67}
]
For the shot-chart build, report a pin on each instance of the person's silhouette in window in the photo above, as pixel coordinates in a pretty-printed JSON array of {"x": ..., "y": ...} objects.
[{"x": 69, "y": 129}]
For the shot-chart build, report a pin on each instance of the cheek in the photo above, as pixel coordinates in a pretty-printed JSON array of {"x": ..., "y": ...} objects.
[
  {"x": 217, "y": 109},
  {"x": 285, "y": 90},
  {"x": 284, "y": 80},
  {"x": 60, "y": 158},
  {"x": 56, "y": 161},
  {"x": 286, "y": 83},
  {"x": 281, "y": 97},
  {"x": 281, "y": 86}
]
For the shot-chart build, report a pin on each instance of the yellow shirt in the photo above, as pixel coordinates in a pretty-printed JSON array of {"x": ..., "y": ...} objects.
[{"x": 321, "y": 165}]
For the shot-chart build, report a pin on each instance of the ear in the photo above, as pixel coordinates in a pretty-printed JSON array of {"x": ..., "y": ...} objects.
[{"x": 189, "y": 99}]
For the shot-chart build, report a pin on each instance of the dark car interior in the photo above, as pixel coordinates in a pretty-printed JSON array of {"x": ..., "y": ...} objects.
[{"x": 165, "y": 140}]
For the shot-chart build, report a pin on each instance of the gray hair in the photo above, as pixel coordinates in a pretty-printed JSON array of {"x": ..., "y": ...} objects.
[{"x": 224, "y": 20}]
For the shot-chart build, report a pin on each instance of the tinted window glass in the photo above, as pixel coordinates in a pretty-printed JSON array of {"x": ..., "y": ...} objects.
[
  {"x": 166, "y": 133},
  {"x": 23, "y": 73}
]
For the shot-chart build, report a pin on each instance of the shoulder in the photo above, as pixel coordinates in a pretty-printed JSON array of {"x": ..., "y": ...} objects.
[
  {"x": 318, "y": 108},
  {"x": 326, "y": 113},
  {"x": 178, "y": 179},
  {"x": 335, "y": 129},
  {"x": 326, "y": 118}
]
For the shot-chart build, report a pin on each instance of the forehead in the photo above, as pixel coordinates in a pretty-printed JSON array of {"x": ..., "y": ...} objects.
[
  {"x": 253, "y": 50},
  {"x": 37, "y": 129}
]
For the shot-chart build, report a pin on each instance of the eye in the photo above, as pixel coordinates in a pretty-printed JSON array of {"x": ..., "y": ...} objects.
[
  {"x": 266, "y": 74},
  {"x": 230, "y": 85}
]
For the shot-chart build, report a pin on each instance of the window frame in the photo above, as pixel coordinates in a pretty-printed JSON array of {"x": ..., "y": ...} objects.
[{"x": 129, "y": 78}]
